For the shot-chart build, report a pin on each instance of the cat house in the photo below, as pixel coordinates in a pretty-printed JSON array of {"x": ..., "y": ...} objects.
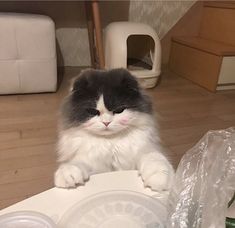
[{"x": 136, "y": 47}]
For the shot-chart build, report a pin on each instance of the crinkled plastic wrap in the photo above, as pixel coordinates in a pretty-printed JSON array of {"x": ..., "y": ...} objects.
[{"x": 204, "y": 183}]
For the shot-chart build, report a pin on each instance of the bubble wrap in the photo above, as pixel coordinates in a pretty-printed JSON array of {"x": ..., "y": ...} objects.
[{"x": 204, "y": 183}]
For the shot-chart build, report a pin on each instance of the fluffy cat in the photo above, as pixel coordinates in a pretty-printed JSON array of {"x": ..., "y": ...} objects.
[{"x": 107, "y": 124}]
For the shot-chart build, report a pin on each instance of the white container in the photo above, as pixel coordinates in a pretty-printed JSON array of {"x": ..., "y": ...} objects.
[
  {"x": 115, "y": 209},
  {"x": 26, "y": 219},
  {"x": 126, "y": 41}
]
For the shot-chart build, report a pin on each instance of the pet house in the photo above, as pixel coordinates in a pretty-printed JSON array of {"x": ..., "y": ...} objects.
[{"x": 136, "y": 47}]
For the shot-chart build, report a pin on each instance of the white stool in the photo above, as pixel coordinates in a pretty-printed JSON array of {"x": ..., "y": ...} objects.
[
  {"x": 128, "y": 40},
  {"x": 27, "y": 54}
]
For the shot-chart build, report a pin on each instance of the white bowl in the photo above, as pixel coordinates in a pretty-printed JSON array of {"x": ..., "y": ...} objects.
[
  {"x": 26, "y": 219},
  {"x": 116, "y": 209}
]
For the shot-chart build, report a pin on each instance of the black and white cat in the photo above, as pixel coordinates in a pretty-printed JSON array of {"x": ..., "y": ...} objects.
[{"x": 107, "y": 124}]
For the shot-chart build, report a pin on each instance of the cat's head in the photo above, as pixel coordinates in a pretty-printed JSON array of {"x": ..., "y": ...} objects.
[{"x": 105, "y": 102}]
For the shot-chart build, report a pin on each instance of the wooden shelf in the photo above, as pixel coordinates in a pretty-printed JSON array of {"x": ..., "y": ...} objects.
[
  {"x": 220, "y": 4},
  {"x": 209, "y": 46}
]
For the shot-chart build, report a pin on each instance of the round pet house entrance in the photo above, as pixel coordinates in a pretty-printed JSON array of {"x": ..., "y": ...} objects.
[{"x": 140, "y": 52}]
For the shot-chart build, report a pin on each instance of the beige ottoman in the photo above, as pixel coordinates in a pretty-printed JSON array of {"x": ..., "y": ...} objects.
[{"x": 27, "y": 54}]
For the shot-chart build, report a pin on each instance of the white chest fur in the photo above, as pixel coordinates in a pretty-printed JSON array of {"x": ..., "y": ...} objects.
[{"x": 104, "y": 154}]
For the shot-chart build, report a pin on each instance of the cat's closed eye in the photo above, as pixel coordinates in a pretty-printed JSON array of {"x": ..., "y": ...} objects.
[
  {"x": 93, "y": 112},
  {"x": 119, "y": 110}
]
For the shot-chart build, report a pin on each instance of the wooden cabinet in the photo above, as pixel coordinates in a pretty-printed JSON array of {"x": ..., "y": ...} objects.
[{"x": 209, "y": 58}]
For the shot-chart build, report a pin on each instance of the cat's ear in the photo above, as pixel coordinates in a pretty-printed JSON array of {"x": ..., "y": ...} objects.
[
  {"x": 129, "y": 81},
  {"x": 81, "y": 81},
  {"x": 71, "y": 83}
]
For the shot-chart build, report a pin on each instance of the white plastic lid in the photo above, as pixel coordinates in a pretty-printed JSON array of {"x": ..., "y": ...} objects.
[
  {"x": 116, "y": 209},
  {"x": 26, "y": 219}
]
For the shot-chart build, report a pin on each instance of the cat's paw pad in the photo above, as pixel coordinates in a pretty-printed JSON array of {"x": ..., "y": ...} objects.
[
  {"x": 159, "y": 181},
  {"x": 69, "y": 176}
]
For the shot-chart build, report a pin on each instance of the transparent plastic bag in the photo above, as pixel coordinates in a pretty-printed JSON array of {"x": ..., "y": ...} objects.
[{"x": 204, "y": 183}]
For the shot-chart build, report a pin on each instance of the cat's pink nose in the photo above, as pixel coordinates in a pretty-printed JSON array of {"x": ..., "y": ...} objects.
[{"x": 106, "y": 123}]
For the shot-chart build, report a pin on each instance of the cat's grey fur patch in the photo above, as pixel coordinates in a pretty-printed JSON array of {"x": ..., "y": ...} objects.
[{"x": 118, "y": 87}]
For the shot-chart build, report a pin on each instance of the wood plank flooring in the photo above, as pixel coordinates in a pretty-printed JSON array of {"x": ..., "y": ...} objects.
[{"x": 184, "y": 111}]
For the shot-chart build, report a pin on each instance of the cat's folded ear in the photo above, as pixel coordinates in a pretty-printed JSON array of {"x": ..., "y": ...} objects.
[
  {"x": 128, "y": 80},
  {"x": 81, "y": 80}
]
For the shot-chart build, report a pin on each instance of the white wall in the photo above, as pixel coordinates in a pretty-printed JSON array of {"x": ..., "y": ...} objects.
[{"x": 161, "y": 15}]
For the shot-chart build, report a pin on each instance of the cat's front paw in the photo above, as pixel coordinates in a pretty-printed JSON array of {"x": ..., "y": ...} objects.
[
  {"x": 158, "y": 179},
  {"x": 69, "y": 176}
]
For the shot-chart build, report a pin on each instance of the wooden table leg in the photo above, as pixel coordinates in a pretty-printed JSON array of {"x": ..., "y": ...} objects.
[
  {"x": 98, "y": 33},
  {"x": 90, "y": 27}
]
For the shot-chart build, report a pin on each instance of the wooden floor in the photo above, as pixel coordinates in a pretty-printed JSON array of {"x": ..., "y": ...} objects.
[{"x": 28, "y": 130}]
